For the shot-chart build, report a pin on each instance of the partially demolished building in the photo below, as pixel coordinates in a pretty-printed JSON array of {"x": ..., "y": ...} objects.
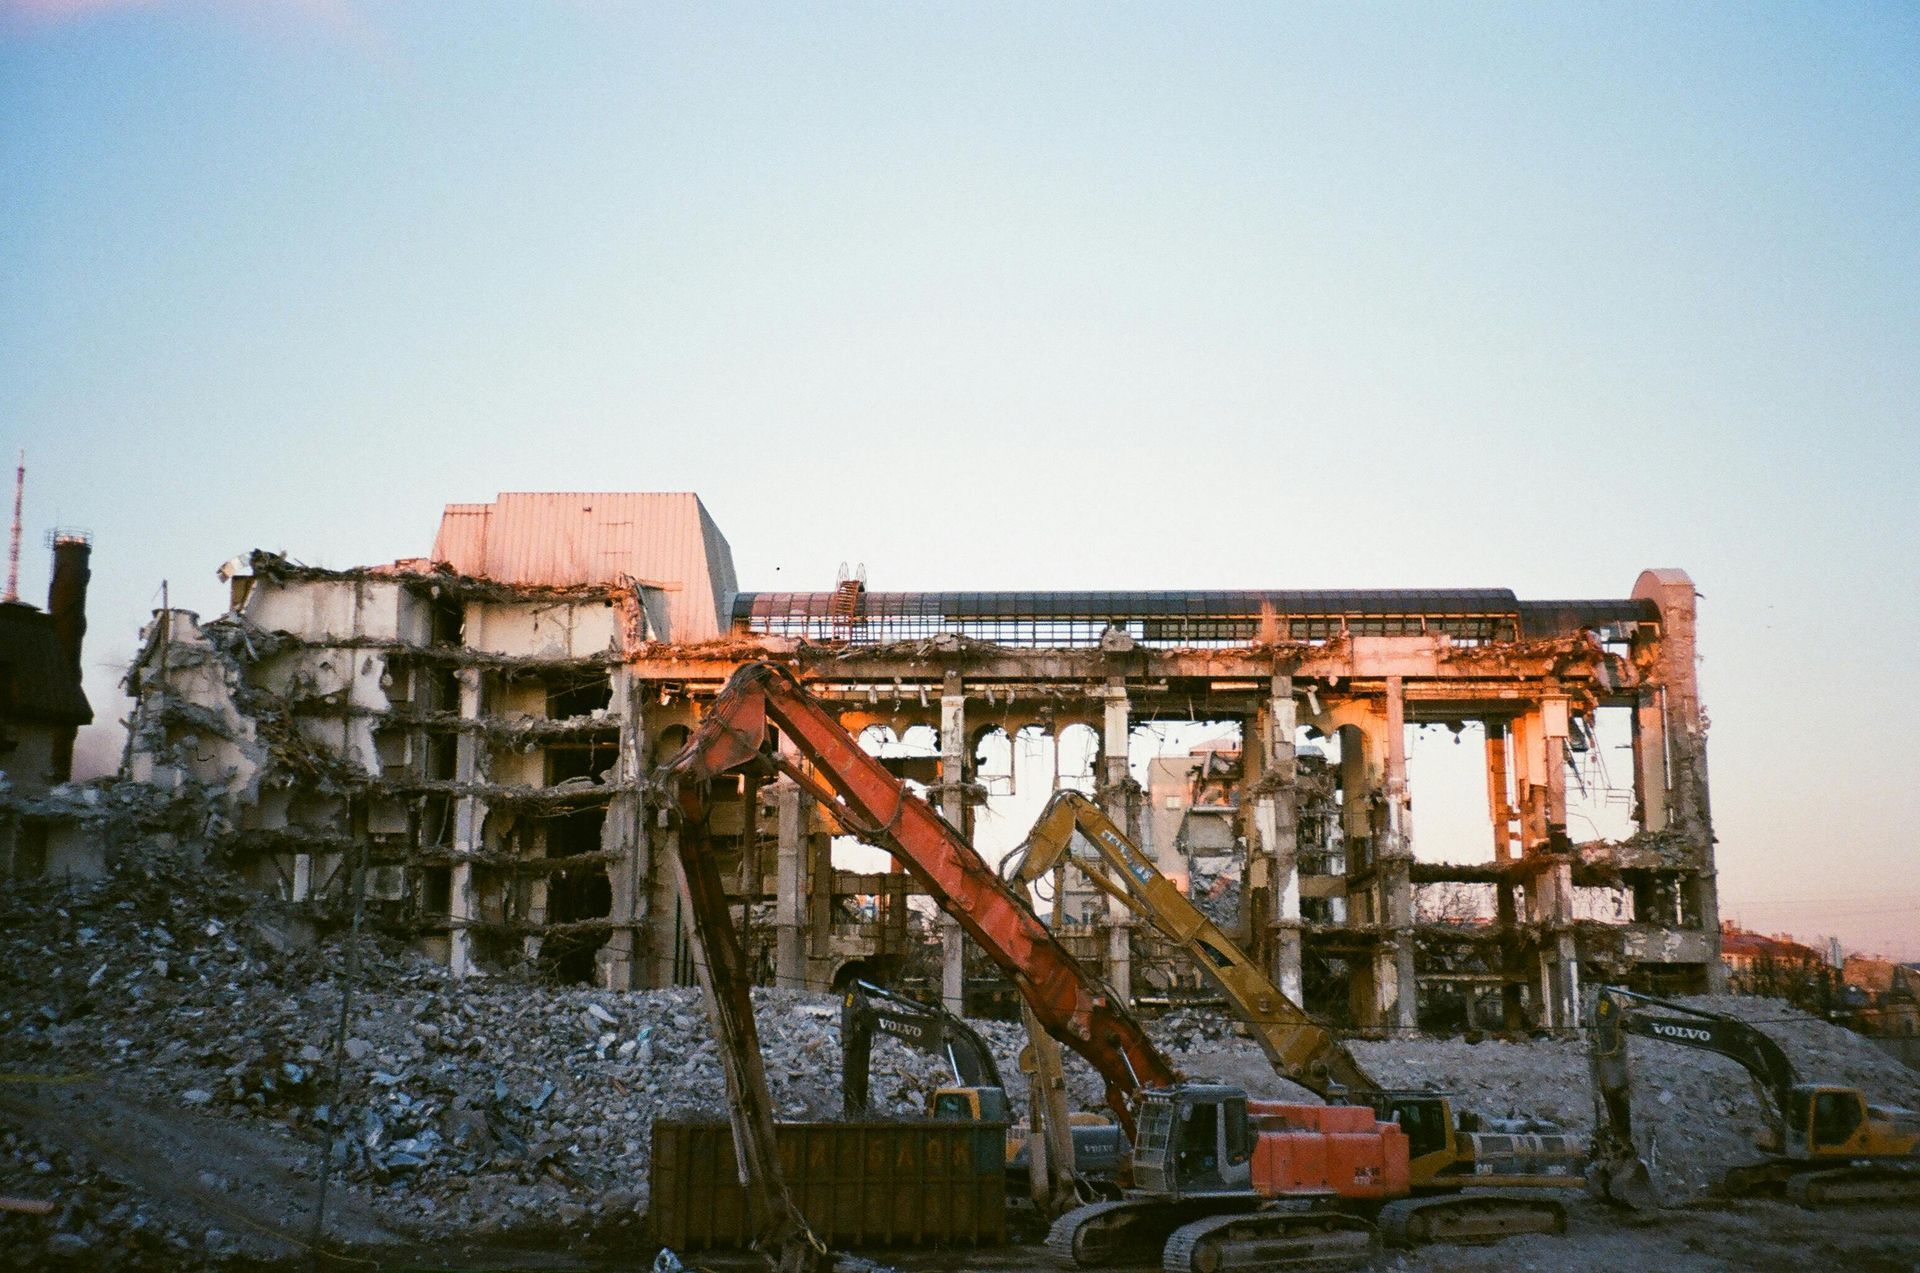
[
  {"x": 42, "y": 707},
  {"x": 477, "y": 728}
]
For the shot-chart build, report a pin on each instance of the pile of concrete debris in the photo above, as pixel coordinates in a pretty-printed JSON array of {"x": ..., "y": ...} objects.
[
  {"x": 497, "y": 1105},
  {"x": 476, "y": 1106}
]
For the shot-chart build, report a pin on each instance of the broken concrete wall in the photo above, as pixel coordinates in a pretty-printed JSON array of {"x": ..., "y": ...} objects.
[
  {"x": 31, "y": 753},
  {"x": 187, "y": 726},
  {"x": 457, "y": 738}
]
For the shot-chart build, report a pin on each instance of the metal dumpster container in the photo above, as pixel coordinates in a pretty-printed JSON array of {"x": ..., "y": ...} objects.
[{"x": 921, "y": 1183}]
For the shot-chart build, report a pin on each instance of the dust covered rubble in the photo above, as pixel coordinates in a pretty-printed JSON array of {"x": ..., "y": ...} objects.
[
  {"x": 89, "y": 1219},
  {"x": 470, "y": 1107},
  {"x": 499, "y": 1104}
]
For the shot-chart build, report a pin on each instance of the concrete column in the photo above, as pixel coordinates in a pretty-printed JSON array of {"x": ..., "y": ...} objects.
[
  {"x": 1541, "y": 767},
  {"x": 790, "y": 887},
  {"x": 1384, "y": 974},
  {"x": 1500, "y": 809},
  {"x": 1356, "y": 788},
  {"x": 1566, "y": 963},
  {"x": 953, "y": 805},
  {"x": 1124, "y": 809},
  {"x": 1529, "y": 749},
  {"x": 1553, "y": 720},
  {"x": 820, "y": 888},
  {"x": 1683, "y": 721},
  {"x": 1650, "y": 759},
  {"x": 1277, "y": 836},
  {"x": 618, "y": 964},
  {"x": 469, "y": 823},
  {"x": 1396, "y": 859},
  {"x": 1685, "y": 727},
  {"x": 1499, "y": 796}
]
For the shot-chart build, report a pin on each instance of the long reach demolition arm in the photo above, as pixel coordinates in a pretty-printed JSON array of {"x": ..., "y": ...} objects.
[
  {"x": 1297, "y": 1046},
  {"x": 1070, "y": 1003}
]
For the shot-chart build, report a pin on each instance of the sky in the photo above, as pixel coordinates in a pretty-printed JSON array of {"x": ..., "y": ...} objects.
[{"x": 1024, "y": 296}]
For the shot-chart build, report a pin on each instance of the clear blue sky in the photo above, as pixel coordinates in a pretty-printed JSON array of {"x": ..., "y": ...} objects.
[{"x": 1025, "y": 296}]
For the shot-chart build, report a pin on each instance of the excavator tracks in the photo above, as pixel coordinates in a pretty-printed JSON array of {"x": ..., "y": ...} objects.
[
  {"x": 1470, "y": 1218},
  {"x": 1809, "y": 1186},
  {"x": 1864, "y": 1183},
  {"x": 1304, "y": 1241},
  {"x": 1131, "y": 1231}
]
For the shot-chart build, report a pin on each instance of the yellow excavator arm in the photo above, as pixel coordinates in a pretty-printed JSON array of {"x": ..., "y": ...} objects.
[{"x": 1296, "y": 1045}]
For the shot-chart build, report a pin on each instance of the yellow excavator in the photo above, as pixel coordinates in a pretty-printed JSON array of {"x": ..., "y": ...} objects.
[
  {"x": 1827, "y": 1144},
  {"x": 1445, "y": 1155}
]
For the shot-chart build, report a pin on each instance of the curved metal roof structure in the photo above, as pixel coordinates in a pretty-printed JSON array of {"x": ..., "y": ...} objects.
[{"x": 1173, "y": 618}]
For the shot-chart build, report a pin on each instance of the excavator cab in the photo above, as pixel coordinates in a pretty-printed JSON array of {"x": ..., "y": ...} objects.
[
  {"x": 971, "y": 1105},
  {"x": 1837, "y": 1122},
  {"x": 1427, "y": 1122},
  {"x": 1195, "y": 1140}
]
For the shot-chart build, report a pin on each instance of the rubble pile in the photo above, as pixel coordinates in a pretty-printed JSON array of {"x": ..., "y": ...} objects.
[
  {"x": 88, "y": 1218},
  {"x": 497, "y": 1105},
  {"x": 474, "y": 1106}
]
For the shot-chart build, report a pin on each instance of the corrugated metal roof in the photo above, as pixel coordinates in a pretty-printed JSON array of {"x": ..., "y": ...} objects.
[{"x": 556, "y": 538}]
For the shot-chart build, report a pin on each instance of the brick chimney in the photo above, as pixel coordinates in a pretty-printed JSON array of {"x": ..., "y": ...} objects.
[{"x": 67, "y": 594}]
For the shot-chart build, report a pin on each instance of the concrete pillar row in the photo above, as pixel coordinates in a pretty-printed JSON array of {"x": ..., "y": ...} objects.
[
  {"x": 953, "y": 806},
  {"x": 617, "y": 964},
  {"x": 469, "y": 822},
  {"x": 1396, "y": 859},
  {"x": 1121, "y": 804},
  {"x": 1276, "y": 828},
  {"x": 791, "y": 815}
]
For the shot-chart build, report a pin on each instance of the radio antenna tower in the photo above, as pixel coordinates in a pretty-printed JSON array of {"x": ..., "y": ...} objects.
[{"x": 13, "y": 549}]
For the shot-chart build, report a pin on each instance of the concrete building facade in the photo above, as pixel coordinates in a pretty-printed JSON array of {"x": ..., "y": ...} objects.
[{"x": 476, "y": 728}]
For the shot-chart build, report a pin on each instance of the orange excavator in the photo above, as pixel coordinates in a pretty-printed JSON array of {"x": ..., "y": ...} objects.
[{"x": 1219, "y": 1180}]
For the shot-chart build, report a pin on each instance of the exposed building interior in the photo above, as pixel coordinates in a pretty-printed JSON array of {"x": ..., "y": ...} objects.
[{"x": 481, "y": 723}]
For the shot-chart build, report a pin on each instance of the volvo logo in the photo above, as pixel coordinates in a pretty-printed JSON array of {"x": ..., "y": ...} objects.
[{"x": 1666, "y": 1031}]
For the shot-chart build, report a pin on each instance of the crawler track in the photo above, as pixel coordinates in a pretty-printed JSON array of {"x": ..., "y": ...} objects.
[
  {"x": 1317, "y": 1241},
  {"x": 1470, "y": 1218}
]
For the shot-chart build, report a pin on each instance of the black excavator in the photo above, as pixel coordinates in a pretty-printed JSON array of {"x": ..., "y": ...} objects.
[{"x": 976, "y": 1094}]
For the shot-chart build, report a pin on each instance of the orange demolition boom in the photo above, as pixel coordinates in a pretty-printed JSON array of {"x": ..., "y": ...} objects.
[{"x": 1218, "y": 1178}]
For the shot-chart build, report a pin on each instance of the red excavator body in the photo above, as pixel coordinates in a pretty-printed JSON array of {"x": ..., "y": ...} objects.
[{"x": 1335, "y": 1149}]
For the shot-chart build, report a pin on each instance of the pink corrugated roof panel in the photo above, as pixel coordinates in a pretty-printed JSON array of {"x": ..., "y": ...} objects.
[{"x": 558, "y": 538}]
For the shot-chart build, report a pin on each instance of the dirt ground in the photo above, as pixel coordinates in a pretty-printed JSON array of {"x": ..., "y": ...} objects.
[
  {"x": 200, "y": 1169},
  {"x": 1743, "y": 1237}
]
